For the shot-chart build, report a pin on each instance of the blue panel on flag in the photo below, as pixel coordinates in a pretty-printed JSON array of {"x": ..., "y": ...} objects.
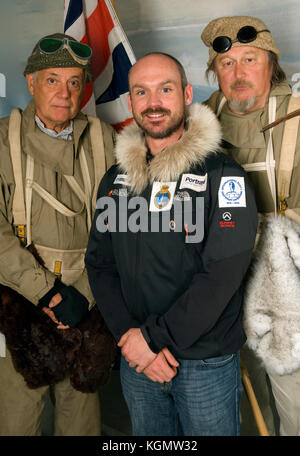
[
  {"x": 119, "y": 83},
  {"x": 74, "y": 11}
]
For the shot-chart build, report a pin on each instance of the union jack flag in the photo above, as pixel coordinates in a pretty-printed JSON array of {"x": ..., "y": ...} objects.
[{"x": 95, "y": 22}]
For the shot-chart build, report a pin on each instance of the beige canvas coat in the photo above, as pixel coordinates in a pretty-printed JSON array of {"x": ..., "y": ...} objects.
[
  {"x": 246, "y": 143},
  {"x": 53, "y": 159}
]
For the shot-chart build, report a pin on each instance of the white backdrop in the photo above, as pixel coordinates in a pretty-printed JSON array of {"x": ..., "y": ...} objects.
[{"x": 172, "y": 26}]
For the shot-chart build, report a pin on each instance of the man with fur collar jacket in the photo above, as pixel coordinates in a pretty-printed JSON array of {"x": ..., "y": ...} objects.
[{"x": 169, "y": 247}]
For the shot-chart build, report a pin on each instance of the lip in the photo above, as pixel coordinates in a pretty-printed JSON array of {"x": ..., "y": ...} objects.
[{"x": 241, "y": 87}]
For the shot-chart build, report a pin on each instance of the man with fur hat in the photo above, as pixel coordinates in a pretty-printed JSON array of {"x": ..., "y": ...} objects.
[
  {"x": 172, "y": 271},
  {"x": 49, "y": 170},
  {"x": 254, "y": 94}
]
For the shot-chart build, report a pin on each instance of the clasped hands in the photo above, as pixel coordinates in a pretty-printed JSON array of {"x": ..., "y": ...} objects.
[{"x": 161, "y": 367}]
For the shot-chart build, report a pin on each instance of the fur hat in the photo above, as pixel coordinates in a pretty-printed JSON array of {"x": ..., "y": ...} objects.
[
  {"x": 229, "y": 26},
  {"x": 63, "y": 58}
]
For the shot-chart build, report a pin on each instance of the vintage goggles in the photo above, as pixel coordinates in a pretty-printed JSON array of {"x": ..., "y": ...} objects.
[
  {"x": 79, "y": 51},
  {"x": 246, "y": 34}
]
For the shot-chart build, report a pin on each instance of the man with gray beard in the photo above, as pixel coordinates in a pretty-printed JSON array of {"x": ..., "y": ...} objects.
[{"x": 253, "y": 93}]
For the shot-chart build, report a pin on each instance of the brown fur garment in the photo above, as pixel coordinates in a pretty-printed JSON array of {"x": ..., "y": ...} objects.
[
  {"x": 41, "y": 353},
  {"x": 95, "y": 359}
]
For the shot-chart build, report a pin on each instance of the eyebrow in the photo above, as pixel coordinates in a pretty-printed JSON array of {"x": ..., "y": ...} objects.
[
  {"x": 52, "y": 73},
  {"x": 141, "y": 86}
]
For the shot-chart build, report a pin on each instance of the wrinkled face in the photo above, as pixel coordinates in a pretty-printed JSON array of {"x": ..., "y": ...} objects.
[
  {"x": 57, "y": 94},
  {"x": 244, "y": 76},
  {"x": 157, "y": 99}
]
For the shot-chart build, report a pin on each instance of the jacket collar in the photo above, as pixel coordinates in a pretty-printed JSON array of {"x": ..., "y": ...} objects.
[
  {"x": 57, "y": 154},
  {"x": 202, "y": 137}
]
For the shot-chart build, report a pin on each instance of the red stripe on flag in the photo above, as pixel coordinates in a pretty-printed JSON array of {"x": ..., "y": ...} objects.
[
  {"x": 88, "y": 91},
  {"x": 118, "y": 126},
  {"x": 98, "y": 26}
]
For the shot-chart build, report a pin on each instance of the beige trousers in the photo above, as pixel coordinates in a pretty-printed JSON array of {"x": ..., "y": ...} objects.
[
  {"x": 286, "y": 391},
  {"x": 21, "y": 408}
]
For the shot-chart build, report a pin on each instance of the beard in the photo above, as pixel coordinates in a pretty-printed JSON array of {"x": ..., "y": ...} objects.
[
  {"x": 176, "y": 120},
  {"x": 241, "y": 105}
]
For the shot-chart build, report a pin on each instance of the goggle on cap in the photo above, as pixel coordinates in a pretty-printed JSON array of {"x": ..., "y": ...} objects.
[
  {"x": 59, "y": 51},
  {"x": 226, "y": 29}
]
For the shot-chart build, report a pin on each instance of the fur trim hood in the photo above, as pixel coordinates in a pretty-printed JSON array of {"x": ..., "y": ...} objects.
[
  {"x": 272, "y": 311},
  {"x": 202, "y": 138}
]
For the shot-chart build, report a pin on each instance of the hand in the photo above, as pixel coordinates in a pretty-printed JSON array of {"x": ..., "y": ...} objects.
[
  {"x": 56, "y": 299},
  {"x": 163, "y": 368},
  {"x": 135, "y": 349}
]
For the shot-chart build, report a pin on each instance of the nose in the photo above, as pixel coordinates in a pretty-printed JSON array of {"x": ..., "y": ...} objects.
[
  {"x": 64, "y": 91},
  {"x": 154, "y": 99},
  {"x": 239, "y": 70}
]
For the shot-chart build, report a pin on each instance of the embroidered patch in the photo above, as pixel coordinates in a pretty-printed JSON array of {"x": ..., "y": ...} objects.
[
  {"x": 121, "y": 179},
  {"x": 232, "y": 192},
  {"x": 182, "y": 196},
  {"x": 227, "y": 221},
  {"x": 162, "y": 196},
  {"x": 194, "y": 182}
]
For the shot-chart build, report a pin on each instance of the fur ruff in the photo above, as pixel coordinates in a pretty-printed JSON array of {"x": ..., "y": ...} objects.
[
  {"x": 45, "y": 355},
  {"x": 202, "y": 137},
  {"x": 272, "y": 311}
]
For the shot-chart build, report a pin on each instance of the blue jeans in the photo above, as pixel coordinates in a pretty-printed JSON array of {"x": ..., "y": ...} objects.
[{"x": 202, "y": 399}]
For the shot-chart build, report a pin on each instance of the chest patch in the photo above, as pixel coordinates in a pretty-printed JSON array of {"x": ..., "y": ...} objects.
[
  {"x": 162, "y": 196},
  {"x": 194, "y": 182},
  {"x": 121, "y": 179},
  {"x": 232, "y": 192}
]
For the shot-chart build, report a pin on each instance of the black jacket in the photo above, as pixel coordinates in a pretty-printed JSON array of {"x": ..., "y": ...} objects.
[{"x": 187, "y": 295}]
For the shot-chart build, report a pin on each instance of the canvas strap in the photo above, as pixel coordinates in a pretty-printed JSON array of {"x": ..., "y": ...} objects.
[{"x": 22, "y": 201}]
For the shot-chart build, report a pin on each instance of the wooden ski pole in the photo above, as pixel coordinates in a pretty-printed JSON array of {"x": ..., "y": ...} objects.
[{"x": 260, "y": 422}]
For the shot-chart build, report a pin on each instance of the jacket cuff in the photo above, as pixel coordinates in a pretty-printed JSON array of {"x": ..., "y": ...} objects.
[
  {"x": 147, "y": 338},
  {"x": 57, "y": 288}
]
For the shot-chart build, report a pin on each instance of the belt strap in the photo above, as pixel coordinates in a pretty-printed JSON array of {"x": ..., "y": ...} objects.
[
  {"x": 97, "y": 144},
  {"x": 18, "y": 205},
  {"x": 288, "y": 149}
]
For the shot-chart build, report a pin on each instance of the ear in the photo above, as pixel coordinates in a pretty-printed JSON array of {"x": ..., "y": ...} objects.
[
  {"x": 129, "y": 102},
  {"x": 30, "y": 83},
  {"x": 188, "y": 94}
]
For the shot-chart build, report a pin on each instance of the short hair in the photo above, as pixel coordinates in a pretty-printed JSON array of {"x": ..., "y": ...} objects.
[
  {"x": 184, "y": 81},
  {"x": 277, "y": 76}
]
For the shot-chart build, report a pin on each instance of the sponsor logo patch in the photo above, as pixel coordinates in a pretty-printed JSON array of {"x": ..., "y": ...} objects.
[
  {"x": 194, "y": 182},
  {"x": 121, "y": 179}
]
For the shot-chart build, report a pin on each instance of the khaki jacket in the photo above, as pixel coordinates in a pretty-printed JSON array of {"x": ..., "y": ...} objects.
[
  {"x": 246, "y": 143},
  {"x": 53, "y": 158}
]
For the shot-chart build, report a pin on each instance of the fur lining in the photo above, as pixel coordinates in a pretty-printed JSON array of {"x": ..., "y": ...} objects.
[
  {"x": 45, "y": 355},
  {"x": 271, "y": 315},
  {"x": 202, "y": 137}
]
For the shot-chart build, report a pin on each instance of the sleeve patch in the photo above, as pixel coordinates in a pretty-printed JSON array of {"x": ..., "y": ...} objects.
[{"x": 232, "y": 192}]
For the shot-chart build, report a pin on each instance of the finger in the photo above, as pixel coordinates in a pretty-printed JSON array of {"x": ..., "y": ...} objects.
[
  {"x": 56, "y": 299},
  {"x": 61, "y": 326},
  {"x": 170, "y": 358},
  {"x": 50, "y": 314},
  {"x": 123, "y": 339}
]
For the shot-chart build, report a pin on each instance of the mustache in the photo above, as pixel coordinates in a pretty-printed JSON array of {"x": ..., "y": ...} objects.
[
  {"x": 156, "y": 111},
  {"x": 240, "y": 82}
]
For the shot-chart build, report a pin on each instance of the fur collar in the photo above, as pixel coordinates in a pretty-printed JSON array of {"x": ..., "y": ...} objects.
[{"x": 202, "y": 138}]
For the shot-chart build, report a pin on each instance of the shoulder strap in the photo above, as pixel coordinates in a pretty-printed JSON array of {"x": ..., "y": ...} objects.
[
  {"x": 287, "y": 154},
  {"x": 98, "y": 153},
  {"x": 14, "y": 136}
]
